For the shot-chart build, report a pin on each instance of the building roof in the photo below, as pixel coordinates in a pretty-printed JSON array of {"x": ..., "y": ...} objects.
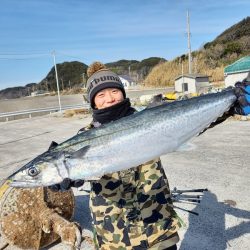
[
  {"x": 241, "y": 65},
  {"x": 193, "y": 76},
  {"x": 126, "y": 77}
]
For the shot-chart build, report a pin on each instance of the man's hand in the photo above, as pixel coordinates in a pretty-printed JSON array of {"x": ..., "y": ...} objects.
[
  {"x": 66, "y": 184},
  {"x": 242, "y": 92}
]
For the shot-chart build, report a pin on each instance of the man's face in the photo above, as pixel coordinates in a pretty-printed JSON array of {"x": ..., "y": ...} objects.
[{"x": 108, "y": 97}]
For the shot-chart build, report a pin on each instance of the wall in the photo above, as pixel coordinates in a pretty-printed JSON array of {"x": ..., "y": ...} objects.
[
  {"x": 231, "y": 79},
  {"x": 202, "y": 85}
]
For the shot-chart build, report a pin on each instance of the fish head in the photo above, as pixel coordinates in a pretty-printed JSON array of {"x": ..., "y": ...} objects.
[
  {"x": 48, "y": 170},
  {"x": 37, "y": 174}
]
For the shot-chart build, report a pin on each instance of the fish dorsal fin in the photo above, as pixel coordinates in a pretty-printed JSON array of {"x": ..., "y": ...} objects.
[
  {"x": 79, "y": 153},
  {"x": 52, "y": 145}
]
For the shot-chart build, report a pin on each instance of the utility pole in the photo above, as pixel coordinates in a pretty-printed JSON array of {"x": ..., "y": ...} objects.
[
  {"x": 182, "y": 68},
  {"x": 195, "y": 65},
  {"x": 46, "y": 83},
  {"x": 189, "y": 46},
  {"x": 83, "y": 80},
  {"x": 62, "y": 84},
  {"x": 182, "y": 73},
  {"x": 57, "y": 83}
]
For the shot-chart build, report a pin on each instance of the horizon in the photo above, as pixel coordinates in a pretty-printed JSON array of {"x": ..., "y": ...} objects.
[{"x": 93, "y": 31}]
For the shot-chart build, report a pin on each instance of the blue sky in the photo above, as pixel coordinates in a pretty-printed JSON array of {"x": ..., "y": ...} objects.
[{"x": 101, "y": 30}]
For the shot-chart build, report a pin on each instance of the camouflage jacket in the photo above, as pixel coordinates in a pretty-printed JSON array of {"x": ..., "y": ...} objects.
[{"x": 132, "y": 209}]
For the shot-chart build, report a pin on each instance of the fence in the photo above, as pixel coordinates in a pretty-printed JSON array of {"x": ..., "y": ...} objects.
[{"x": 36, "y": 112}]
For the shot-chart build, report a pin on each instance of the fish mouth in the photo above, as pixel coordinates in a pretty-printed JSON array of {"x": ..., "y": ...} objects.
[{"x": 25, "y": 184}]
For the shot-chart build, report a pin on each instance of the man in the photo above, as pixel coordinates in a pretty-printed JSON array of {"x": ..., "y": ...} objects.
[{"x": 132, "y": 209}]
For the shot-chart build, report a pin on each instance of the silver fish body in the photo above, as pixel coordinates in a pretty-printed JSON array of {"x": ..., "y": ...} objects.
[{"x": 125, "y": 143}]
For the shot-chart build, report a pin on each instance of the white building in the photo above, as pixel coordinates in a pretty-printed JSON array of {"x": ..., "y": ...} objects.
[
  {"x": 127, "y": 81},
  {"x": 192, "y": 83},
  {"x": 237, "y": 71},
  {"x": 38, "y": 93}
]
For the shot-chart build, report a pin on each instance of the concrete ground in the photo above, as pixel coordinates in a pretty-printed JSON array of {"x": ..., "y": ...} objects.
[{"x": 218, "y": 160}]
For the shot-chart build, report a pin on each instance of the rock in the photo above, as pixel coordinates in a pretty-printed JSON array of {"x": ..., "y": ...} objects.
[{"x": 35, "y": 218}]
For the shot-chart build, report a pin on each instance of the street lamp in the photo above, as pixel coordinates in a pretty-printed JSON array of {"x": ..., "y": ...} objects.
[{"x": 57, "y": 84}]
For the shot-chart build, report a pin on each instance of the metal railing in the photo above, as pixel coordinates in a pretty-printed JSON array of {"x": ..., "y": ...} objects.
[{"x": 29, "y": 112}]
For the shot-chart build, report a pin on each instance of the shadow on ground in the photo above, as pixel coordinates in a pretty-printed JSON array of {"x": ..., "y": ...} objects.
[
  {"x": 209, "y": 230},
  {"x": 82, "y": 212}
]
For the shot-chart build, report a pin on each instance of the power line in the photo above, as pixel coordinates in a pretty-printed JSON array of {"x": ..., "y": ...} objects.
[
  {"x": 189, "y": 45},
  {"x": 59, "y": 53},
  {"x": 23, "y": 54},
  {"x": 31, "y": 56},
  {"x": 25, "y": 58}
]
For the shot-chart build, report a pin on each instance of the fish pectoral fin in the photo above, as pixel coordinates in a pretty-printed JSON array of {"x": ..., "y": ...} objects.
[
  {"x": 52, "y": 145},
  {"x": 80, "y": 153}
]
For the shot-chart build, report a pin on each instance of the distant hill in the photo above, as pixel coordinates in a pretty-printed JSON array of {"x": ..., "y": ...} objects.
[
  {"x": 73, "y": 75},
  {"x": 70, "y": 74},
  {"x": 228, "y": 47},
  {"x": 16, "y": 92},
  {"x": 239, "y": 31},
  {"x": 138, "y": 70}
]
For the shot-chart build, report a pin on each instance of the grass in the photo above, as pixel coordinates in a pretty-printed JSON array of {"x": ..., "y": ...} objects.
[{"x": 164, "y": 74}]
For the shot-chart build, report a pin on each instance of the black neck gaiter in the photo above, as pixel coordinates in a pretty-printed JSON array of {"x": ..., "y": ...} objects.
[{"x": 113, "y": 113}]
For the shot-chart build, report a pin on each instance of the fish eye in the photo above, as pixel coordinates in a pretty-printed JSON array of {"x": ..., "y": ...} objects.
[{"x": 32, "y": 172}]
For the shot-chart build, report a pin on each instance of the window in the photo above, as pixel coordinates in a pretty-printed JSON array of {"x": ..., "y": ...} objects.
[{"x": 185, "y": 87}]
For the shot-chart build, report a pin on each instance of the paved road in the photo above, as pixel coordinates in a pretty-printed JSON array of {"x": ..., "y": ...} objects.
[{"x": 219, "y": 161}]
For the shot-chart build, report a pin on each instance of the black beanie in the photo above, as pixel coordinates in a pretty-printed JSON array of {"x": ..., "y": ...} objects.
[{"x": 103, "y": 79}]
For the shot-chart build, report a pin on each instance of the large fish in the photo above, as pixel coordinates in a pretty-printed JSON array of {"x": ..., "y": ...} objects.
[{"x": 125, "y": 143}]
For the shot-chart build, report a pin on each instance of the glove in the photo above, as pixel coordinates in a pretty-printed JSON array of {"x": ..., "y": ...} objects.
[
  {"x": 242, "y": 92},
  {"x": 66, "y": 184}
]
